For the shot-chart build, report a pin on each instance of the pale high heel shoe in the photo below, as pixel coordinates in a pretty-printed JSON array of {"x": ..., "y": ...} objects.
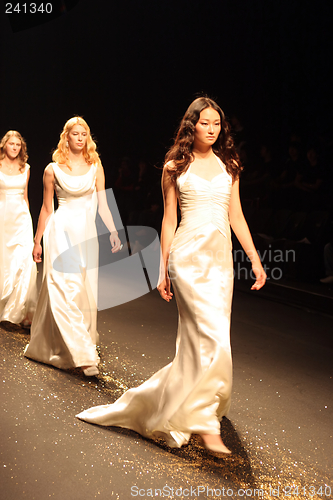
[
  {"x": 217, "y": 449},
  {"x": 26, "y": 324},
  {"x": 91, "y": 371}
]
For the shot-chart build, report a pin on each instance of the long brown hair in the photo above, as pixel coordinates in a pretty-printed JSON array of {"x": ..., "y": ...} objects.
[
  {"x": 181, "y": 151},
  {"x": 90, "y": 154},
  {"x": 22, "y": 157}
]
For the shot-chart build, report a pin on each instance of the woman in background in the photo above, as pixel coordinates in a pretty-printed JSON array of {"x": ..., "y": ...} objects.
[
  {"x": 192, "y": 394},
  {"x": 63, "y": 333},
  {"x": 18, "y": 291}
]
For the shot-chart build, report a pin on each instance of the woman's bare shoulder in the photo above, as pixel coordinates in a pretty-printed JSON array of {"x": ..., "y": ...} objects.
[
  {"x": 49, "y": 170},
  {"x": 170, "y": 165},
  {"x": 168, "y": 169}
]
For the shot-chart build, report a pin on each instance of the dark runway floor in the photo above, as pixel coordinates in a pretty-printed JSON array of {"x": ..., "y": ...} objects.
[{"x": 279, "y": 426}]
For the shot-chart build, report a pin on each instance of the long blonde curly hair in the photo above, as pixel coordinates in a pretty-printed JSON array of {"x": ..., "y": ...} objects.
[
  {"x": 22, "y": 157},
  {"x": 90, "y": 154}
]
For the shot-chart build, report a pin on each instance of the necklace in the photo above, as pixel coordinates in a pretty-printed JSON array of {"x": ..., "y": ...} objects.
[{"x": 9, "y": 168}]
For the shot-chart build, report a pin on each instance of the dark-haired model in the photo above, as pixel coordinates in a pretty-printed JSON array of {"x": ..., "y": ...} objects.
[{"x": 192, "y": 394}]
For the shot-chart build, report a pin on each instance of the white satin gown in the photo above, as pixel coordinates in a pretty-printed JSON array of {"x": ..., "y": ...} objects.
[
  {"x": 18, "y": 290},
  {"x": 191, "y": 394},
  {"x": 63, "y": 332}
]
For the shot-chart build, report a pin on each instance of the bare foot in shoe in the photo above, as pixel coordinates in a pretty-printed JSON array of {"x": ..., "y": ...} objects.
[
  {"x": 213, "y": 442},
  {"x": 90, "y": 371}
]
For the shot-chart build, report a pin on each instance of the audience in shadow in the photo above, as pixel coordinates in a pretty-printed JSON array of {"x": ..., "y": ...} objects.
[
  {"x": 286, "y": 197},
  {"x": 288, "y": 204}
]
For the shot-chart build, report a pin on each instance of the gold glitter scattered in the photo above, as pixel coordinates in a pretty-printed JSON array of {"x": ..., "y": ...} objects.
[{"x": 257, "y": 461}]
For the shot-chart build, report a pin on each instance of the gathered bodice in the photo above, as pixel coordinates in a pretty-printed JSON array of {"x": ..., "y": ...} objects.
[
  {"x": 202, "y": 202},
  {"x": 11, "y": 185},
  {"x": 75, "y": 191}
]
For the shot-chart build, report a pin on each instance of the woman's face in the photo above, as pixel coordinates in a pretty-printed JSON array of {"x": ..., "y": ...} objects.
[
  {"x": 312, "y": 156},
  {"x": 207, "y": 128},
  {"x": 293, "y": 153},
  {"x": 12, "y": 147},
  {"x": 77, "y": 138}
]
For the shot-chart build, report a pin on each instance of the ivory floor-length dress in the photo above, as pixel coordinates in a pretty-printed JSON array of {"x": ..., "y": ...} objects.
[
  {"x": 18, "y": 290},
  {"x": 63, "y": 332},
  {"x": 191, "y": 394}
]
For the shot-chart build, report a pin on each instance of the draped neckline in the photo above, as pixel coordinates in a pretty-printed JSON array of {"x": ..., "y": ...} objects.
[
  {"x": 69, "y": 175},
  {"x": 16, "y": 175}
]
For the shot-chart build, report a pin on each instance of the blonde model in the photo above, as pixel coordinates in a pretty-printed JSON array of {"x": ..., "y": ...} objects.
[
  {"x": 63, "y": 333},
  {"x": 18, "y": 292}
]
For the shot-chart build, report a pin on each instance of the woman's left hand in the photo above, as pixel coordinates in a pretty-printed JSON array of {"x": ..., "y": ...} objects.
[
  {"x": 115, "y": 242},
  {"x": 260, "y": 276}
]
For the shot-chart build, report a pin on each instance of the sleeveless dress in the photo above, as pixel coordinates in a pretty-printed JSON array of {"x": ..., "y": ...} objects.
[
  {"x": 18, "y": 290},
  {"x": 191, "y": 394},
  {"x": 63, "y": 332}
]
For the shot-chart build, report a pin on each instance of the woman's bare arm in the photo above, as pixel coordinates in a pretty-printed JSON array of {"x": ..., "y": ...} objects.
[
  {"x": 45, "y": 212},
  {"x": 104, "y": 210},
  {"x": 169, "y": 225},
  {"x": 242, "y": 232},
  {"x": 25, "y": 195}
]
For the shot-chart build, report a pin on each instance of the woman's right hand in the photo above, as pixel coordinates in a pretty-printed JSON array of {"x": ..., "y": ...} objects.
[
  {"x": 260, "y": 275},
  {"x": 37, "y": 252},
  {"x": 164, "y": 289}
]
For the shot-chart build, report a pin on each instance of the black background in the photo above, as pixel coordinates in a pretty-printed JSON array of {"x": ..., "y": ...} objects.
[{"x": 131, "y": 68}]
